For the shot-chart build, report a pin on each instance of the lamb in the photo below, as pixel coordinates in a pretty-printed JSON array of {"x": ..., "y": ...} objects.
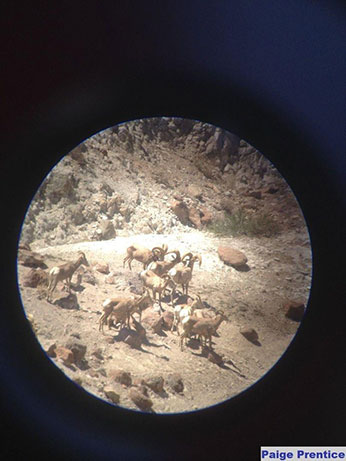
[
  {"x": 64, "y": 272},
  {"x": 201, "y": 327},
  {"x": 185, "y": 310},
  {"x": 162, "y": 267},
  {"x": 144, "y": 255},
  {"x": 182, "y": 274},
  {"x": 157, "y": 284},
  {"x": 122, "y": 307}
]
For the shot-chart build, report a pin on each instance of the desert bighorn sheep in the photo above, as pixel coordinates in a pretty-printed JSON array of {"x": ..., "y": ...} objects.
[
  {"x": 157, "y": 284},
  {"x": 122, "y": 307},
  {"x": 182, "y": 274},
  {"x": 64, "y": 272},
  {"x": 201, "y": 327},
  {"x": 185, "y": 310},
  {"x": 144, "y": 255},
  {"x": 161, "y": 267}
]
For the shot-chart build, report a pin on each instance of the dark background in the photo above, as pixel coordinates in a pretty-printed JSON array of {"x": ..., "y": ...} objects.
[{"x": 274, "y": 73}]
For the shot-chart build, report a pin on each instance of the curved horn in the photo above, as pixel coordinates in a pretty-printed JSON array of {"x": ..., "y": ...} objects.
[
  {"x": 187, "y": 255},
  {"x": 177, "y": 255},
  {"x": 198, "y": 258}
]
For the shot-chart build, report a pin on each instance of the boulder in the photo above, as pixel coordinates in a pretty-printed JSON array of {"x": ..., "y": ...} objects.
[
  {"x": 250, "y": 334},
  {"x": 152, "y": 320},
  {"x": 168, "y": 318},
  {"x": 58, "y": 186},
  {"x": 232, "y": 257},
  {"x": 255, "y": 194},
  {"x": 130, "y": 337},
  {"x": 68, "y": 301},
  {"x": 143, "y": 402},
  {"x": 194, "y": 217},
  {"x": 110, "y": 278},
  {"x": 120, "y": 376},
  {"x": 64, "y": 354},
  {"x": 35, "y": 277},
  {"x": 175, "y": 382},
  {"x": 180, "y": 209},
  {"x": 227, "y": 204},
  {"x": 206, "y": 216},
  {"x": 294, "y": 310},
  {"x": 107, "y": 230},
  {"x": 110, "y": 393},
  {"x": 194, "y": 191},
  {"x": 113, "y": 205},
  {"x": 88, "y": 277},
  {"x": 51, "y": 350},
  {"x": 77, "y": 347},
  {"x": 31, "y": 259},
  {"x": 103, "y": 268},
  {"x": 155, "y": 383}
]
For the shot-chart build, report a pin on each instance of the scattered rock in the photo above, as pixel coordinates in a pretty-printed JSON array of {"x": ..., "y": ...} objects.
[
  {"x": 194, "y": 217},
  {"x": 153, "y": 320},
  {"x": 143, "y": 402},
  {"x": 110, "y": 279},
  {"x": 103, "y": 268},
  {"x": 271, "y": 190},
  {"x": 32, "y": 322},
  {"x": 206, "y": 216},
  {"x": 175, "y": 382},
  {"x": 64, "y": 354},
  {"x": 180, "y": 209},
  {"x": 31, "y": 259},
  {"x": 130, "y": 337},
  {"x": 155, "y": 383},
  {"x": 257, "y": 194},
  {"x": 77, "y": 347},
  {"x": 232, "y": 257},
  {"x": 168, "y": 318},
  {"x": 51, "y": 350},
  {"x": 98, "y": 354},
  {"x": 69, "y": 301},
  {"x": 194, "y": 191},
  {"x": 111, "y": 394},
  {"x": 294, "y": 310},
  {"x": 107, "y": 230},
  {"x": 35, "y": 277},
  {"x": 250, "y": 334},
  {"x": 227, "y": 204},
  {"x": 120, "y": 376}
]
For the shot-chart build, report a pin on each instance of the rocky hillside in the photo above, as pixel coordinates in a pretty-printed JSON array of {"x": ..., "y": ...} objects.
[
  {"x": 180, "y": 183},
  {"x": 156, "y": 176}
]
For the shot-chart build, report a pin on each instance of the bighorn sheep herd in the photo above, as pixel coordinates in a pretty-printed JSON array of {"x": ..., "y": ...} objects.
[{"x": 158, "y": 276}]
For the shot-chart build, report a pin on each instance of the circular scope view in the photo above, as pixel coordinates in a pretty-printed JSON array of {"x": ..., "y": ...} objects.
[{"x": 164, "y": 265}]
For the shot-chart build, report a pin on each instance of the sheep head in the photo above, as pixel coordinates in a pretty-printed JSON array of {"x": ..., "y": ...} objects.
[{"x": 83, "y": 258}]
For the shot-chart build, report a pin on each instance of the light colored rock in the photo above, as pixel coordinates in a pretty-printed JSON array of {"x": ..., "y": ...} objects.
[
  {"x": 294, "y": 310},
  {"x": 143, "y": 402},
  {"x": 110, "y": 393},
  {"x": 250, "y": 334},
  {"x": 35, "y": 278},
  {"x": 232, "y": 257}
]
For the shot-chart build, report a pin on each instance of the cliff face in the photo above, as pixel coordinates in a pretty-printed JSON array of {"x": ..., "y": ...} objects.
[{"x": 158, "y": 175}]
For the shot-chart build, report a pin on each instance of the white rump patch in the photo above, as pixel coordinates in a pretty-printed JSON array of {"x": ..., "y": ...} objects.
[{"x": 54, "y": 270}]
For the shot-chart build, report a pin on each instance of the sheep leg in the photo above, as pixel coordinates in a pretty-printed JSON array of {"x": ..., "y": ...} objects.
[
  {"x": 68, "y": 283},
  {"x": 51, "y": 287}
]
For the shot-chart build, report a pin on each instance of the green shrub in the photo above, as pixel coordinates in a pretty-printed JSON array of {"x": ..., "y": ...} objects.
[{"x": 242, "y": 223}]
